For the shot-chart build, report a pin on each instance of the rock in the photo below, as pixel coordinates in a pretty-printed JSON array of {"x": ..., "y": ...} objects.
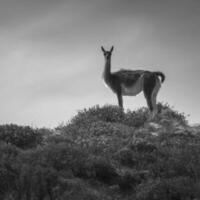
[
  {"x": 155, "y": 134},
  {"x": 154, "y": 125}
]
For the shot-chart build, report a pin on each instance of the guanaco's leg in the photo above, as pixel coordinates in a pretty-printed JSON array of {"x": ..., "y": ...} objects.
[
  {"x": 120, "y": 100},
  {"x": 154, "y": 95},
  {"x": 148, "y": 88}
]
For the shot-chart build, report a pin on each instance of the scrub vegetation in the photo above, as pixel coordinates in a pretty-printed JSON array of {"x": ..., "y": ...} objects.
[{"x": 103, "y": 153}]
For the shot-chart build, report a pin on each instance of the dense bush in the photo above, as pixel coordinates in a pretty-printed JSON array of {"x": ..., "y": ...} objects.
[
  {"x": 21, "y": 136},
  {"x": 103, "y": 153},
  {"x": 111, "y": 114}
]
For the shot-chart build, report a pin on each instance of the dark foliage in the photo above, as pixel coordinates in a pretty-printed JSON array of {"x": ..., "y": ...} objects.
[
  {"x": 103, "y": 153},
  {"x": 21, "y": 136}
]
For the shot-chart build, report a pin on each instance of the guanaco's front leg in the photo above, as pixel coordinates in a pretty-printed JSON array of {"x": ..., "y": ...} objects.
[{"x": 120, "y": 100}]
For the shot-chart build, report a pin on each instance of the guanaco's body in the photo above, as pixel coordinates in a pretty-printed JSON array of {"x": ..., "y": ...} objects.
[{"x": 132, "y": 82}]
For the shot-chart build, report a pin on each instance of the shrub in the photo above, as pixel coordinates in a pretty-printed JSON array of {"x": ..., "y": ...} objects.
[
  {"x": 129, "y": 179},
  {"x": 76, "y": 189},
  {"x": 102, "y": 153},
  {"x": 175, "y": 188},
  {"x": 8, "y": 168},
  {"x": 21, "y": 136},
  {"x": 104, "y": 171},
  {"x": 168, "y": 113},
  {"x": 136, "y": 118}
]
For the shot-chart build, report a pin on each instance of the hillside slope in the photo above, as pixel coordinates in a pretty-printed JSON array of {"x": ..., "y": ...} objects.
[{"x": 103, "y": 153}]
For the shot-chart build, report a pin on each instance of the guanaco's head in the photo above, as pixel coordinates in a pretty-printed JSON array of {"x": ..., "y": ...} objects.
[{"x": 107, "y": 54}]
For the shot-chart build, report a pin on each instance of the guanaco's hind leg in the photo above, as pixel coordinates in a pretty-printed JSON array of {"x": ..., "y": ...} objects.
[
  {"x": 154, "y": 96},
  {"x": 150, "y": 90}
]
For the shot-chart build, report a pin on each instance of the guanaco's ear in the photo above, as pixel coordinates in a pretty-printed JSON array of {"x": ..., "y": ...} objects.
[
  {"x": 102, "y": 49},
  {"x": 111, "y": 49}
]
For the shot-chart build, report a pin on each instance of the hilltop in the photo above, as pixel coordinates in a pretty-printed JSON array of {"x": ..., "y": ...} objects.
[{"x": 103, "y": 153}]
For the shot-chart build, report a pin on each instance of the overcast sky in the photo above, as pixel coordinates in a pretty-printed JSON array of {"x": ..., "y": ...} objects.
[{"x": 51, "y": 63}]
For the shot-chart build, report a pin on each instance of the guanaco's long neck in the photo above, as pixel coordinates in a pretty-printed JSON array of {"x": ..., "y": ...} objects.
[{"x": 107, "y": 70}]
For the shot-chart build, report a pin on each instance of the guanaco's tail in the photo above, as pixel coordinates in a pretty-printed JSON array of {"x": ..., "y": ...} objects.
[{"x": 161, "y": 75}]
